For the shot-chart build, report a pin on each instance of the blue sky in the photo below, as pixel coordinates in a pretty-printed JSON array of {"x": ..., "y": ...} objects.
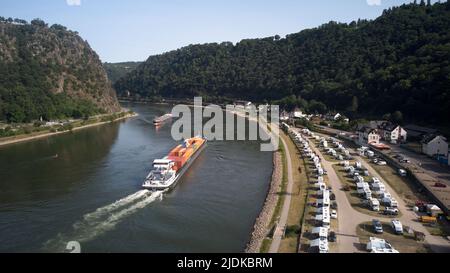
[{"x": 132, "y": 30}]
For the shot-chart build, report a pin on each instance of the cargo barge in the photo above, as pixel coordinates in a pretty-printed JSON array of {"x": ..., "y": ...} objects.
[{"x": 168, "y": 171}]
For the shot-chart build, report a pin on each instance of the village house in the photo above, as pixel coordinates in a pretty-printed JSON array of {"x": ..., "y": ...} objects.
[
  {"x": 284, "y": 116},
  {"x": 393, "y": 133},
  {"x": 298, "y": 113},
  {"x": 368, "y": 135},
  {"x": 388, "y": 131},
  {"x": 336, "y": 117},
  {"x": 434, "y": 145}
]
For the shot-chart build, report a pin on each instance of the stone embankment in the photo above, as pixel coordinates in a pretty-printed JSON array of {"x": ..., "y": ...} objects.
[{"x": 261, "y": 227}]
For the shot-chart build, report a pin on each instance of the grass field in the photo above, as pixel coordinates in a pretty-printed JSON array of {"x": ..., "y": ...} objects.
[
  {"x": 265, "y": 246},
  {"x": 276, "y": 213},
  {"x": 298, "y": 198}
]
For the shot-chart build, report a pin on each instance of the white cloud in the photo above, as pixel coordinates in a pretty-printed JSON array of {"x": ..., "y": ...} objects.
[
  {"x": 373, "y": 2},
  {"x": 73, "y": 2}
]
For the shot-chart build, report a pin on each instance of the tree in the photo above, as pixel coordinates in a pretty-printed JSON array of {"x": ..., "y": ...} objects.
[
  {"x": 387, "y": 116},
  {"x": 397, "y": 117},
  {"x": 38, "y": 22},
  {"x": 28, "y": 78},
  {"x": 317, "y": 107},
  {"x": 355, "y": 104}
]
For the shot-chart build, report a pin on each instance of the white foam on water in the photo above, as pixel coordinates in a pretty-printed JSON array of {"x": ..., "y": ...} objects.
[
  {"x": 101, "y": 212},
  {"x": 103, "y": 219}
]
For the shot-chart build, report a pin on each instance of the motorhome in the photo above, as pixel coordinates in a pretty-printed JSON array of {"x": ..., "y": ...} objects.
[
  {"x": 320, "y": 171},
  {"x": 397, "y": 226},
  {"x": 377, "y": 245},
  {"x": 345, "y": 163},
  {"x": 358, "y": 179},
  {"x": 361, "y": 187},
  {"x": 392, "y": 203},
  {"x": 379, "y": 188},
  {"x": 321, "y": 245},
  {"x": 367, "y": 194},
  {"x": 374, "y": 204},
  {"x": 321, "y": 232},
  {"x": 321, "y": 186}
]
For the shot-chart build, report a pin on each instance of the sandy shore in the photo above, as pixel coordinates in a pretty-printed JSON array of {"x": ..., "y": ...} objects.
[
  {"x": 19, "y": 139},
  {"x": 261, "y": 227}
]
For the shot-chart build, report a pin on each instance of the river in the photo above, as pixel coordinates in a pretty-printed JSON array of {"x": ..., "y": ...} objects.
[{"x": 85, "y": 186}]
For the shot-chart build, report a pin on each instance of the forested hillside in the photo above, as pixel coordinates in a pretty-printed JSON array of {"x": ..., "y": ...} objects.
[
  {"x": 116, "y": 71},
  {"x": 398, "y": 62},
  {"x": 49, "y": 73}
]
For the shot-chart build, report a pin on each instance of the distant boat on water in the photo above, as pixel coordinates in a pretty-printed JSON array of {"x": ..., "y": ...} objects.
[{"x": 159, "y": 120}]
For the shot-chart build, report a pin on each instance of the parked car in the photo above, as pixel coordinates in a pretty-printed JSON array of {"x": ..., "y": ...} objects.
[
  {"x": 440, "y": 185},
  {"x": 332, "y": 197},
  {"x": 382, "y": 163},
  {"x": 402, "y": 172},
  {"x": 332, "y": 237},
  {"x": 377, "y": 226},
  {"x": 404, "y": 160},
  {"x": 334, "y": 214},
  {"x": 334, "y": 205},
  {"x": 391, "y": 211}
]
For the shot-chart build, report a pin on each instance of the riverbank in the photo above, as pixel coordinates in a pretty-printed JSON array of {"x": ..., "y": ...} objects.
[
  {"x": 48, "y": 133},
  {"x": 262, "y": 225}
]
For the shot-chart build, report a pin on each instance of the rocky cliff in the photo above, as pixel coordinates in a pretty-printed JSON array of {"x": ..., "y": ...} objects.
[{"x": 50, "y": 72}]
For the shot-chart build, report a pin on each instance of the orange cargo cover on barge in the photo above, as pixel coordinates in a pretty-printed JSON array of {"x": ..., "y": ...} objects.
[{"x": 182, "y": 153}]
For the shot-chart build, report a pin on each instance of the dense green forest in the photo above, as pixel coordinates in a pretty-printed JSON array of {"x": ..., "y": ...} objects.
[
  {"x": 398, "y": 63},
  {"x": 49, "y": 73},
  {"x": 116, "y": 71}
]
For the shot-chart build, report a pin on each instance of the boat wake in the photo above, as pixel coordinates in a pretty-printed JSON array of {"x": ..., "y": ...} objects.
[{"x": 103, "y": 220}]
